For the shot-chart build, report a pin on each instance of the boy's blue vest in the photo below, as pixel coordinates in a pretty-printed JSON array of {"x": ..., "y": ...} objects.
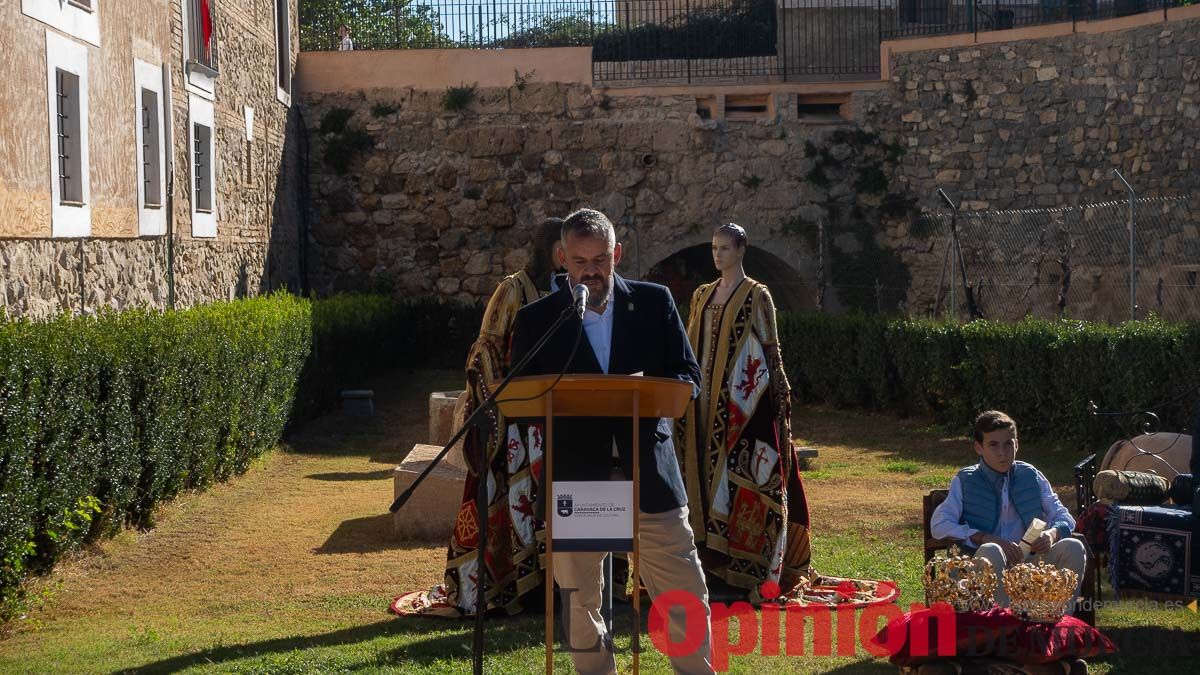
[{"x": 981, "y": 495}]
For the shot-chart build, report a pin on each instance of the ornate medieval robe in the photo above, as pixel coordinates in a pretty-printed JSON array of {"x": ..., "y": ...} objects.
[
  {"x": 513, "y": 454},
  {"x": 749, "y": 513}
]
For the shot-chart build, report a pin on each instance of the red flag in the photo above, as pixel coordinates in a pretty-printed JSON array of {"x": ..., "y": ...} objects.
[{"x": 206, "y": 26}]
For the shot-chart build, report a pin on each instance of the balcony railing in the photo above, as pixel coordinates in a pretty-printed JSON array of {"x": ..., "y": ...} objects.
[{"x": 201, "y": 55}]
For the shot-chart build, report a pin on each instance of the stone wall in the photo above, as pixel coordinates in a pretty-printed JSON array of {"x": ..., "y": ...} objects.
[
  {"x": 1042, "y": 124},
  {"x": 46, "y": 276},
  {"x": 446, "y": 199}
]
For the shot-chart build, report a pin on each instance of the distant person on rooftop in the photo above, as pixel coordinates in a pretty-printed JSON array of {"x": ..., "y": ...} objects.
[{"x": 345, "y": 44}]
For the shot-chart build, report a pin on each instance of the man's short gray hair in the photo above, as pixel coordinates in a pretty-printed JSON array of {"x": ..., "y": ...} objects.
[{"x": 589, "y": 223}]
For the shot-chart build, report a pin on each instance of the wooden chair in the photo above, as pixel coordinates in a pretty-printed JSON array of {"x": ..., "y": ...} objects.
[{"x": 1087, "y": 589}]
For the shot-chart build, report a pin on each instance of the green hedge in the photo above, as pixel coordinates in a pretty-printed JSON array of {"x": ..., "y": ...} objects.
[
  {"x": 103, "y": 417},
  {"x": 1043, "y": 373},
  {"x": 357, "y": 335}
]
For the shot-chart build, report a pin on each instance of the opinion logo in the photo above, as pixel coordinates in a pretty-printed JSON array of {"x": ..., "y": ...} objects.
[{"x": 764, "y": 630}]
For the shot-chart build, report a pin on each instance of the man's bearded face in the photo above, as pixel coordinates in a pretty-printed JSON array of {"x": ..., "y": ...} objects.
[{"x": 591, "y": 261}]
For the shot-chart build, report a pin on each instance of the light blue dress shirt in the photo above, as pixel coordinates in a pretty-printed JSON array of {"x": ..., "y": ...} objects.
[
  {"x": 599, "y": 332},
  {"x": 945, "y": 521}
]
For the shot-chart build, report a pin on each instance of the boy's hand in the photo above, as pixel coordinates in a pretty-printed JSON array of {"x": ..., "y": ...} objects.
[
  {"x": 1012, "y": 551},
  {"x": 1044, "y": 542}
]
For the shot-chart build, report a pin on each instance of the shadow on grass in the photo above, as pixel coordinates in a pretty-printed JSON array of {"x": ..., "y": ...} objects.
[
  {"x": 1150, "y": 649},
  {"x": 361, "y": 535},
  {"x": 872, "y": 666},
  {"x": 885, "y": 438},
  {"x": 352, "y": 475},
  {"x": 433, "y": 640}
]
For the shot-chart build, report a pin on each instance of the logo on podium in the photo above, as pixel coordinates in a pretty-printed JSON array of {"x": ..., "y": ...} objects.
[{"x": 566, "y": 505}]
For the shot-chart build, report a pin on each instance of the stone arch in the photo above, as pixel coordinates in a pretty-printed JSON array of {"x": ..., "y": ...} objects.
[{"x": 793, "y": 287}]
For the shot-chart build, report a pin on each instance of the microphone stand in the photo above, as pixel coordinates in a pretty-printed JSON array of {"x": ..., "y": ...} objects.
[{"x": 479, "y": 419}]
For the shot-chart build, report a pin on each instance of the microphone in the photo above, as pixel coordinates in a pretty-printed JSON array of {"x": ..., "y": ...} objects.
[{"x": 580, "y": 293}]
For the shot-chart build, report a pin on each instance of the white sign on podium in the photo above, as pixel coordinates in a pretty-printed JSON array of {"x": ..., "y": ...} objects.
[{"x": 593, "y": 516}]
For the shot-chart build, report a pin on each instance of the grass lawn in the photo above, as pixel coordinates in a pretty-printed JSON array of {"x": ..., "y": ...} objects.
[{"x": 290, "y": 568}]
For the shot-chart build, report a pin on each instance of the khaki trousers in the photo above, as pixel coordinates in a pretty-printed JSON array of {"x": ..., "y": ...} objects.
[
  {"x": 1066, "y": 553},
  {"x": 668, "y": 562}
]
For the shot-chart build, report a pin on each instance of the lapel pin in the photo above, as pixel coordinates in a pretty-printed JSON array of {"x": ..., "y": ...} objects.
[{"x": 631, "y": 306}]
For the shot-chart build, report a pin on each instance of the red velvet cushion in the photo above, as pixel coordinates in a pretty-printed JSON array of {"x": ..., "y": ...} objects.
[
  {"x": 939, "y": 633},
  {"x": 1069, "y": 638},
  {"x": 996, "y": 633}
]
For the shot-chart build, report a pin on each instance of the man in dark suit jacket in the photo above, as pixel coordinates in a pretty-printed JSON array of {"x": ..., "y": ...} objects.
[{"x": 630, "y": 327}]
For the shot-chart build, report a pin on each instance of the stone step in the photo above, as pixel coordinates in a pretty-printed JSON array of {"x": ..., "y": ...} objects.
[
  {"x": 431, "y": 512},
  {"x": 358, "y": 402},
  {"x": 805, "y": 457},
  {"x": 445, "y": 417}
]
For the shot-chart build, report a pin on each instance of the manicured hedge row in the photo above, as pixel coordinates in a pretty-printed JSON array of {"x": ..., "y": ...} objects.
[
  {"x": 1043, "y": 373},
  {"x": 103, "y": 417},
  {"x": 357, "y": 335}
]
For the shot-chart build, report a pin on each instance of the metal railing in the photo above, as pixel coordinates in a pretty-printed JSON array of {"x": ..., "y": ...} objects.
[
  {"x": 944, "y": 17},
  {"x": 198, "y": 52},
  {"x": 689, "y": 39}
]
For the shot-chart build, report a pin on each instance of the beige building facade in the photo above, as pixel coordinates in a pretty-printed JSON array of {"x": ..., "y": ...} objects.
[{"x": 144, "y": 145}]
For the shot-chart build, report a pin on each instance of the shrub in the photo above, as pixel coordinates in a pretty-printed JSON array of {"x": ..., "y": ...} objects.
[
  {"x": 1043, "y": 373},
  {"x": 355, "y": 335},
  {"x": 460, "y": 97},
  {"x": 103, "y": 417}
]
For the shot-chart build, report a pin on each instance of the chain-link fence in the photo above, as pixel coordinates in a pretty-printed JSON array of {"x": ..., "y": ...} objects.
[{"x": 1080, "y": 262}]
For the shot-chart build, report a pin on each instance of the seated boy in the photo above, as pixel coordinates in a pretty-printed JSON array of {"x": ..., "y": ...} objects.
[{"x": 992, "y": 503}]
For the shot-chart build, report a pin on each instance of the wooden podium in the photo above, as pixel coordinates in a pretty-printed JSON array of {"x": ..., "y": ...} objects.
[{"x": 592, "y": 396}]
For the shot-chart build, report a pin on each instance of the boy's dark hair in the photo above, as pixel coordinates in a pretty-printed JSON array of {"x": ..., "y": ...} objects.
[{"x": 993, "y": 420}]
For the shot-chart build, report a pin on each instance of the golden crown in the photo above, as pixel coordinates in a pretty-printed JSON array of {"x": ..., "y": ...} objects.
[
  {"x": 968, "y": 584},
  {"x": 1039, "y": 591}
]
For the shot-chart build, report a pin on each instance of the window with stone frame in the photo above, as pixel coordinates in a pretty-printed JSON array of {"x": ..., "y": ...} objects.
[
  {"x": 69, "y": 148},
  {"x": 67, "y": 119},
  {"x": 283, "y": 50},
  {"x": 201, "y": 35},
  {"x": 202, "y": 167},
  {"x": 151, "y": 148}
]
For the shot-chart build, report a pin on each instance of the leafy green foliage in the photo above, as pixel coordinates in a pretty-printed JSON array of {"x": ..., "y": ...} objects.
[
  {"x": 357, "y": 335},
  {"x": 552, "y": 29},
  {"x": 730, "y": 30},
  {"x": 334, "y": 120},
  {"x": 374, "y": 24},
  {"x": 102, "y": 418},
  {"x": 1043, "y": 373},
  {"x": 343, "y": 147},
  {"x": 458, "y": 98},
  {"x": 383, "y": 109}
]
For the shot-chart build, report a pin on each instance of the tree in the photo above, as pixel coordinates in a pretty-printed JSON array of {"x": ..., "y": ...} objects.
[{"x": 374, "y": 24}]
